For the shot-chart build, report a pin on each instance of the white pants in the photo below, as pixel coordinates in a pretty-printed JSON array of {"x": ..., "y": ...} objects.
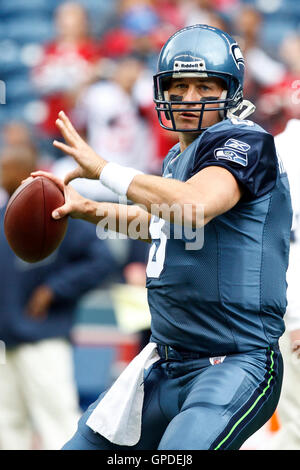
[
  {"x": 288, "y": 436},
  {"x": 38, "y": 396}
]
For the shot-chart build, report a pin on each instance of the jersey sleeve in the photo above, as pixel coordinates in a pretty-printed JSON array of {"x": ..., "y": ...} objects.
[{"x": 249, "y": 155}]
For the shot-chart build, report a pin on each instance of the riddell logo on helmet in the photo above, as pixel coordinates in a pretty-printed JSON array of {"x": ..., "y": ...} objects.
[{"x": 180, "y": 65}]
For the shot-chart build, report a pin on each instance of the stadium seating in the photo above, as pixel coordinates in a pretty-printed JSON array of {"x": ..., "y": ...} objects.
[
  {"x": 29, "y": 28},
  {"x": 15, "y": 8},
  {"x": 30, "y": 22}
]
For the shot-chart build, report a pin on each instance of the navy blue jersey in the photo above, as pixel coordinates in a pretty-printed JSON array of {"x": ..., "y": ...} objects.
[{"x": 229, "y": 294}]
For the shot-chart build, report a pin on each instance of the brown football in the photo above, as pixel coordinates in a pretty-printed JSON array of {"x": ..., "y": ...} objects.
[{"x": 30, "y": 229}]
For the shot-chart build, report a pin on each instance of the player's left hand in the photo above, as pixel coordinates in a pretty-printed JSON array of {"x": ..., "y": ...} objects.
[
  {"x": 75, "y": 204},
  {"x": 40, "y": 301},
  {"x": 90, "y": 164}
]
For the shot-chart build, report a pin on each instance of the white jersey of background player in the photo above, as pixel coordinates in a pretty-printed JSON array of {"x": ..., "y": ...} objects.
[
  {"x": 288, "y": 147},
  {"x": 109, "y": 109},
  {"x": 288, "y": 436}
]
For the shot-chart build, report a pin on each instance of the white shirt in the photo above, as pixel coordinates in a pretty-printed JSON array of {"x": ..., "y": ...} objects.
[
  {"x": 115, "y": 131},
  {"x": 288, "y": 148}
]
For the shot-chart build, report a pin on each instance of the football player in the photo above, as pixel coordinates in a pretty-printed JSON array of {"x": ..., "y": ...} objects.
[{"x": 211, "y": 374}]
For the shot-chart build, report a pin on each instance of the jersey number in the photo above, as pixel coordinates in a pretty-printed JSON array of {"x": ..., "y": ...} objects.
[{"x": 157, "y": 251}]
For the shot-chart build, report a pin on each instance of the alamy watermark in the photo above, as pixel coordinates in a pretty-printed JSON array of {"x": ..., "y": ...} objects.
[
  {"x": 2, "y": 92},
  {"x": 180, "y": 222},
  {"x": 2, "y": 353}
]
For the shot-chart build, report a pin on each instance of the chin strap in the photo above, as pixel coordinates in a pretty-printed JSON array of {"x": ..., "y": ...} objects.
[{"x": 242, "y": 111}]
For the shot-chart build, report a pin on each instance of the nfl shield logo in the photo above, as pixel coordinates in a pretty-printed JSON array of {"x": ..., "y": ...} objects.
[{"x": 216, "y": 360}]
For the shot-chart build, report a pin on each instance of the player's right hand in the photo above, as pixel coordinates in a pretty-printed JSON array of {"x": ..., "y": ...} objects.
[{"x": 90, "y": 164}]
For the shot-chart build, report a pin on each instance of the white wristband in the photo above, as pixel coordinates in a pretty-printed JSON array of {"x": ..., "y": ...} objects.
[{"x": 117, "y": 177}]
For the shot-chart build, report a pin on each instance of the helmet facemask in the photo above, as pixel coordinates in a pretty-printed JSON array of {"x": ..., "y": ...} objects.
[{"x": 230, "y": 98}]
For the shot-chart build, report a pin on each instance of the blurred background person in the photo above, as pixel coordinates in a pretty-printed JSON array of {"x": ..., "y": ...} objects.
[
  {"x": 130, "y": 298},
  {"x": 262, "y": 71},
  {"x": 288, "y": 435},
  {"x": 110, "y": 112},
  {"x": 141, "y": 28},
  {"x": 17, "y": 133},
  {"x": 205, "y": 12},
  {"x": 38, "y": 394},
  {"x": 280, "y": 102},
  {"x": 66, "y": 63},
  {"x": 260, "y": 65}
]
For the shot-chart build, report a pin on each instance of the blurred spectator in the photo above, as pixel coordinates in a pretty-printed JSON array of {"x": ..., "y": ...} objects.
[
  {"x": 200, "y": 12},
  {"x": 262, "y": 71},
  {"x": 262, "y": 68},
  {"x": 171, "y": 12},
  {"x": 130, "y": 302},
  {"x": 281, "y": 102},
  {"x": 16, "y": 133},
  {"x": 67, "y": 63},
  {"x": 139, "y": 30},
  {"x": 110, "y": 111},
  {"x": 208, "y": 12},
  {"x": 38, "y": 393},
  {"x": 227, "y": 6},
  {"x": 290, "y": 53},
  {"x": 288, "y": 435}
]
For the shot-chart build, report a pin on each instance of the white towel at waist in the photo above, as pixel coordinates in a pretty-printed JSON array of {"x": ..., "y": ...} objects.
[{"x": 118, "y": 416}]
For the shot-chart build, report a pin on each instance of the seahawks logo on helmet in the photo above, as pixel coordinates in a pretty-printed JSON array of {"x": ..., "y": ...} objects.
[{"x": 237, "y": 55}]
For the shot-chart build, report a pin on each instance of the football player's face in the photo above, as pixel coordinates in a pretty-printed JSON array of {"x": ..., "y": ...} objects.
[{"x": 195, "y": 89}]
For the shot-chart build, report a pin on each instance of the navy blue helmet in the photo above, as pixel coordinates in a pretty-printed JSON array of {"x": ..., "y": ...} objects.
[{"x": 199, "y": 51}]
